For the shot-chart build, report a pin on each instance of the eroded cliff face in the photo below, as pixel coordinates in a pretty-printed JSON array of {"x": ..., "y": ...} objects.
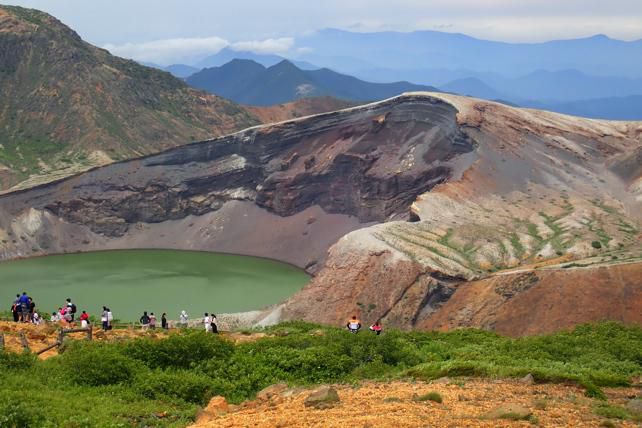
[
  {"x": 546, "y": 193},
  {"x": 352, "y": 168}
]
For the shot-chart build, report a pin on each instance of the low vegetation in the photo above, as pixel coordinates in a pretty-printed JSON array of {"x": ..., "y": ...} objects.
[{"x": 152, "y": 382}]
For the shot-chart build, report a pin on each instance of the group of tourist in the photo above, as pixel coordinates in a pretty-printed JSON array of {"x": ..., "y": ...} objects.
[
  {"x": 354, "y": 325},
  {"x": 24, "y": 310},
  {"x": 149, "y": 321}
]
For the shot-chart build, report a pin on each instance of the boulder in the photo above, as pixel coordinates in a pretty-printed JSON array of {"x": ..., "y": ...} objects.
[
  {"x": 510, "y": 411},
  {"x": 216, "y": 407},
  {"x": 635, "y": 406},
  {"x": 528, "y": 379},
  {"x": 444, "y": 380},
  {"x": 323, "y": 398},
  {"x": 271, "y": 391}
]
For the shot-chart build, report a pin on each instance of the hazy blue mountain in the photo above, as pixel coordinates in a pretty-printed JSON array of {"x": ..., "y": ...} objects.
[
  {"x": 472, "y": 87},
  {"x": 597, "y": 55},
  {"x": 546, "y": 86},
  {"x": 226, "y": 55},
  {"x": 181, "y": 70},
  {"x": 565, "y": 85},
  {"x": 612, "y": 108},
  {"x": 249, "y": 82}
]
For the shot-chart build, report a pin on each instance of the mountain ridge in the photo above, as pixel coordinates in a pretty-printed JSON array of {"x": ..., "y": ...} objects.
[
  {"x": 248, "y": 82},
  {"x": 66, "y": 102}
]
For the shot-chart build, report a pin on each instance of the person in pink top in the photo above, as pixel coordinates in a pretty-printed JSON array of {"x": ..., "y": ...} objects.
[{"x": 376, "y": 328}]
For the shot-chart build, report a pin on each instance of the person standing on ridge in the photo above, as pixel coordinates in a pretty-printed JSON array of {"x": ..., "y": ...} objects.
[
  {"x": 207, "y": 321},
  {"x": 183, "y": 319},
  {"x": 376, "y": 328},
  {"x": 353, "y": 324},
  {"x": 84, "y": 319},
  {"x": 110, "y": 319},
  {"x": 104, "y": 318},
  {"x": 144, "y": 321},
  {"x": 164, "y": 325},
  {"x": 24, "y": 307},
  {"x": 15, "y": 309},
  {"x": 213, "y": 324},
  {"x": 71, "y": 309},
  {"x": 152, "y": 321}
]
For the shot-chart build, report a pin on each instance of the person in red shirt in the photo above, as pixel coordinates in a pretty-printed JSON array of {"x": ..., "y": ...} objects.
[
  {"x": 84, "y": 319},
  {"x": 376, "y": 328}
]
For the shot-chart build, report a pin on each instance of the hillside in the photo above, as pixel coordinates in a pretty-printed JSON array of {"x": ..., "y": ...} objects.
[
  {"x": 584, "y": 377},
  {"x": 66, "y": 105},
  {"x": 248, "y": 82},
  {"x": 425, "y": 210}
]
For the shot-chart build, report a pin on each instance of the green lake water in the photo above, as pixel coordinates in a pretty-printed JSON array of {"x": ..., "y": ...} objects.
[{"x": 132, "y": 281}]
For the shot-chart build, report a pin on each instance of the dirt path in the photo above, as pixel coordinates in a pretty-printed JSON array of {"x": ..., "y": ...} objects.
[
  {"x": 41, "y": 336},
  {"x": 465, "y": 402}
]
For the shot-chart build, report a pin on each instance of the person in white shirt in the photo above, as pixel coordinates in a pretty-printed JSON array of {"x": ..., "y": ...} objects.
[
  {"x": 207, "y": 321},
  {"x": 183, "y": 318}
]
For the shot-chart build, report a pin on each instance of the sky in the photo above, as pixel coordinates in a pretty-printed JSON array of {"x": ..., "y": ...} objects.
[{"x": 170, "y": 31}]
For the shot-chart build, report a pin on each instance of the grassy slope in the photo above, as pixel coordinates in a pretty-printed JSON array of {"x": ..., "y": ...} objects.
[
  {"x": 132, "y": 383},
  {"x": 61, "y": 99}
]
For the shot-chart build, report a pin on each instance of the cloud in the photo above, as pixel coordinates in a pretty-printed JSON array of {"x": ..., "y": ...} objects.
[
  {"x": 169, "y": 51},
  {"x": 267, "y": 46},
  {"x": 190, "y": 50}
]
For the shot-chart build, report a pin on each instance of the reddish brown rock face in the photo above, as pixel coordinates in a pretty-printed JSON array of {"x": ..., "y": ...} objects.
[{"x": 544, "y": 301}]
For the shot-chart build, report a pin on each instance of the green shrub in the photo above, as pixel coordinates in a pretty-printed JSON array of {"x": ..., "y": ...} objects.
[
  {"x": 611, "y": 411},
  {"x": 96, "y": 365},
  {"x": 16, "y": 413},
  {"x": 183, "y": 351},
  {"x": 592, "y": 390},
  {"x": 596, "y": 244},
  {"x": 15, "y": 361},
  {"x": 169, "y": 384}
]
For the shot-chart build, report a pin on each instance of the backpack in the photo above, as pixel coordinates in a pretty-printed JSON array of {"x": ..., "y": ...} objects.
[{"x": 73, "y": 308}]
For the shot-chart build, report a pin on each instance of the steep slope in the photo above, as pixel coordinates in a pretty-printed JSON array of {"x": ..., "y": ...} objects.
[
  {"x": 249, "y": 82},
  {"x": 460, "y": 212},
  {"x": 66, "y": 105}
]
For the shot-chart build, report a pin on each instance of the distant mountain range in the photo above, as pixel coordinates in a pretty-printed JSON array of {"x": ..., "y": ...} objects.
[
  {"x": 612, "y": 108},
  {"x": 248, "y": 82},
  {"x": 363, "y": 54}
]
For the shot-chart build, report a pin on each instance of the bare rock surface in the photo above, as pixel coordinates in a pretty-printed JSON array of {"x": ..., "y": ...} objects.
[{"x": 324, "y": 397}]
